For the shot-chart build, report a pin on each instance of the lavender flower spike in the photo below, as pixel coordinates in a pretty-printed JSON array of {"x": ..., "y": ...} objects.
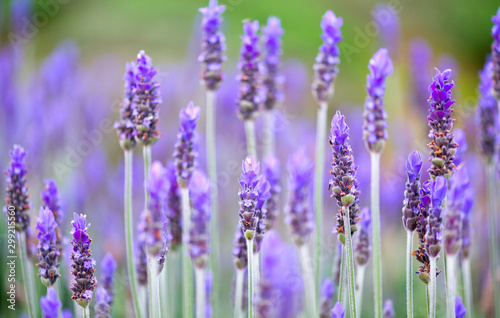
[
  {"x": 48, "y": 253},
  {"x": 212, "y": 45},
  {"x": 422, "y": 221},
  {"x": 299, "y": 213},
  {"x": 466, "y": 221},
  {"x": 454, "y": 211},
  {"x": 240, "y": 259},
  {"x": 327, "y": 60},
  {"x": 460, "y": 310},
  {"x": 146, "y": 101},
  {"x": 186, "y": 150},
  {"x": 434, "y": 233},
  {"x": 250, "y": 96},
  {"x": 343, "y": 183},
  {"x": 388, "y": 311},
  {"x": 102, "y": 307},
  {"x": 17, "y": 192},
  {"x": 272, "y": 80},
  {"x": 272, "y": 172},
  {"x": 362, "y": 249},
  {"x": 173, "y": 208},
  {"x": 199, "y": 234},
  {"x": 412, "y": 192},
  {"x": 495, "y": 53},
  {"x": 338, "y": 311},
  {"x": 83, "y": 282},
  {"x": 375, "y": 116},
  {"x": 326, "y": 301},
  {"x": 125, "y": 127},
  {"x": 50, "y": 304},
  {"x": 108, "y": 267},
  {"x": 487, "y": 112},
  {"x": 442, "y": 145},
  {"x": 462, "y": 146}
]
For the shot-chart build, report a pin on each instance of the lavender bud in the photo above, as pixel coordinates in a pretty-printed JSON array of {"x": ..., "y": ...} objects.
[
  {"x": 108, "y": 267},
  {"x": 434, "y": 234},
  {"x": 50, "y": 304},
  {"x": 343, "y": 181},
  {"x": 487, "y": 112},
  {"x": 83, "y": 282},
  {"x": 173, "y": 209},
  {"x": 338, "y": 311},
  {"x": 326, "y": 301},
  {"x": 459, "y": 308},
  {"x": 186, "y": 148},
  {"x": 412, "y": 192},
  {"x": 250, "y": 96},
  {"x": 125, "y": 127},
  {"x": 442, "y": 145},
  {"x": 454, "y": 211},
  {"x": 388, "y": 310},
  {"x": 199, "y": 233},
  {"x": 272, "y": 172},
  {"x": 17, "y": 191},
  {"x": 272, "y": 80},
  {"x": 48, "y": 253},
  {"x": 299, "y": 214},
  {"x": 466, "y": 221},
  {"x": 240, "y": 249},
  {"x": 375, "y": 116},
  {"x": 327, "y": 60},
  {"x": 212, "y": 45},
  {"x": 363, "y": 246},
  {"x": 51, "y": 200},
  {"x": 495, "y": 53},
  {"x": 102, "y": 307}
]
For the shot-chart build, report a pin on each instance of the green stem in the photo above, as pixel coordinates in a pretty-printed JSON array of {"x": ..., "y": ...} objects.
[
  {"x": 310, "y": 288},
  {"x": 251, "y": 139},
  {"x": 427, "y": 299},
  {"x": 269, "y": 132},
  {"x": 432, "y": 288},
  {"x": 146, "y": 153},
  {"x": 360, "y": 277},
  {"x": 187, "y": 268},
  {"x": 250, "y": 283},
  {"x": 377, "y": 254},
  {"x": 256, "y": 272},
  {"x": 350, "y": 263},
  {"x": 23, "y": 259},
  {"x": 466, "y": 273},
  {"x": 214, "y": 223},
  {"x": 318, "y": 187},
  {"x": 409, "y": 274},
  {"x": 129, "y": 233},
  {"x": 340, "y": 288},
  {"x": 238, "y": 298},
  {"x": 200, "y": 292},
  {"x": 451, "y": 288},
  {"x": 164, "y": 295},
  {"x": 153, "y": 286},
  {"x": 86, "y": 312},
  {"x": 491, "y": 172}
]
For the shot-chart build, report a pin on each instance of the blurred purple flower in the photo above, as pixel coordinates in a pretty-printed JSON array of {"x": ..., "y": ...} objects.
[
  {"x": 459, "y": 308},
  {"x": 387, "y": 19},
  {"x": 272, "y": 79},
  {"x": 125, "y": 127},
  {"x": 495, "y": 53},
  {"x": 363, "y": 246},
  {"x": 466, "y": 221},
  {"x": 48, "y": 253},
  {"x": 199, "y": 233},
  {"x": 186, "y": 148},
  {"x": 50, "y": 304},
  {"x": 173, "y": 209},
  {"x": 108, "y": 267},
  {"x": 487, "y": 112},
  {"x": 338, "y": 311},
  {"x": 102, "y": 307},
  {"x": 412, "y": 191},
  {"x": 272, "y": 172},
  {"x": 388, "y": 310},
  {"x": 240, "y": 253},
  {"x": 51, "y": 200},
  {"x": 459, "y": 136},
  {"x": 453, "y": 216},
  {"x": 421, "y": 63},
  {"x": 326, "y": 300}
]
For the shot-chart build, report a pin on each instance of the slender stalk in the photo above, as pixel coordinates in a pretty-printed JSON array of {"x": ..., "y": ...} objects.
[
  {"x": 251, "y": 139},
  {"x": 146, "y": 152},
  {"x": 427, "y": 299},
  {"x": 345, "y": 287},
  {"x": 451, "y": 288},
  {"x": 200, "y": 292},
  {"x": 23, "y": 259},
  {"x": 238, "y": 298},
  {"x": 310, "y": 288},
  {"x": 409, "y": 274},
  {"x": 129, "y": 233},
  {"x": 256, "y": 272},
  {"x": 377, "y": 254},
  {"x": 466, "y": 274},
  {"x": 432, "y": 288},
  {"x": 164, "y": 294},
  {"x": 214, "y": 223},
  {"x": 86, "y": 312},
  {"x": 350, "y": 264},
  {"x": 491, "y": 172},
  {"x": 153, "y": 287},
  {"x": 31, "y": 282},
  {"x": 250, "y": 284},
  {"x": 187, "y": 268},
  {"x": 340, "y": 288},
  {"x": 269, "y": 132},
  {"x": 318, "y": 187},
  {"x": 360, "y": 278}
]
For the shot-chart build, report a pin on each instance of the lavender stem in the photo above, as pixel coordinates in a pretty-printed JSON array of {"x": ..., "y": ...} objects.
[
  {"x": 200, "y": 292},
  {"x": 164, "y": 294},
  {"x": 492, "y": 191},
  {"x": 466, "y": 274},
  {"x": 409, "y": 273},
  {"x": 250, "y": 134},
  {"x": 375, "y": 209},
  {"x": 86, "y": 312},
  {"x": 238, "y": 298},
  {"x": 269, "y": 132},
  {"x": 432, "y": 287},
  {"x": 153, "y": 287},
  {"x": 250, "y": 283},
  {"x": 340, "y": 287},
  {"x": 146, "y": 152},
  {"x": 451, "y": 288},
  {"x": 23, "y": 259},
  {"x": 360, "y": 278},
  {"x": 350, "y": 263},
  {"x": 256, "y": 271},
  {"x": 187, "y": 268},
  {"x": 310, "y": 288}
]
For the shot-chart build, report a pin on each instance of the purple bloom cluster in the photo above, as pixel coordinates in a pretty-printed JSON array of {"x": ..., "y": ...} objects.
[
  {"x": 362, "y": 248},
  {"x": 250, "y": 92},
  {"x": 453, "y": 216},
  {"x": 495, "y": 53},
  {"x": 462, "y": 146},
  {"x": 213, "y": 46},
  {"x": 173, "y": 208},
  {"x": 375, "y": 116},
  {"x": 327, "y": 60},
  {"x": 343, "y": 183},
  {"x": 17, "y": 192},
  {"x": 326, "y": 301},
  {"x": 272, "y": 172},
  {"x": 125, "y": 127},
  {"x": 420, "y": 60},
  {"x": 412, "y": 191},
  {"x": 108, "y": 267},
  {"x": 50, "y": 304},
  {"x": 460, "y": 310},
  {"x": 434, "y": 234},
  {"x": 466, "y": 221},
  {"x": 388, "y": 310},
  {"x": 240, "y": 249},
  {"x": 52, "y": 201},
  {"x": 272, "y": 80},
  {"x": 487, "y": 112},
  {"x": 102, "y": 307},
  {"x": 338, "y": 311},
  {"x": 186, "y": 148},
  {"x": 82, "y": 265},
  {"x": 48, "y": 253},
  {"x": 442, "y": 145},
  {"x": 420, "y": 254}
]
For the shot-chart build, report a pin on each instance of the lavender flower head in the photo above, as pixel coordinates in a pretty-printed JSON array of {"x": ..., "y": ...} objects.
[
  {"x": 108, "y": 267},
  {"x": 434, "y": 234},
  {"x": 487, "y": 112},
  {"x": 363, "y": 247},
  {"x": 102, "y": 307},
  {"x": 375, "y": 116},
  {"x": 125, "y": 127},
  {"x": 412, "y": 191},
  {"x": 338, "y": 311},
  {"x": 299, "y": 214},
  {"x": 326, "y": 301},
  {"x": 240, "y": 253},
  {"x": 50, "y": 304},
  {"x": 253, "y": 194},
  {"x": 442, "y": 145},
  {"x": 466, "y": 221},
  {"x": 420, "y": 254},
  {"x": 48, "y": 253},
  {"x": 272, "y": 80},
  {"x": 173, "y": 209},
  {"x": 272, "y": 172},
  {"x": 17, "y": 193},
  {"x": 327, "y": 60},
  {"x": 212, "y": 45},
  {"x": 186, "y": 149},
  {"x": 343, "y": 183},
  {"x": 82, "y": 265},
  {"x": 462, "y": 146},
  {"x": 199, "y": 233},
  {"x": 51, "y": 200},
  {"x": 250, "y": 96},
  {"x": 388, "y": 310},
  {"x": 146, "y": 100},
  {"x": 495, "y": 53},
  {"x": 454, "y": 211},
  {"x": 460, "y": 310}
]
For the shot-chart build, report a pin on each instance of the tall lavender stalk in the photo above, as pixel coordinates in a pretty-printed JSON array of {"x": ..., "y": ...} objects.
[
  {"x": 410, "y": 219},
  {"x": 240, "y": 260},
  {"x": 325, "y": 74},
  {"x": 212, "y": 57},
  {"x": 362, "y": 253},
  {"x": 375, "y": 135}
]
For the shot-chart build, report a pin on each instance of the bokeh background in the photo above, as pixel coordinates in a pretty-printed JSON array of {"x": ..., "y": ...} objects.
[{"x": 61, "y": 68}]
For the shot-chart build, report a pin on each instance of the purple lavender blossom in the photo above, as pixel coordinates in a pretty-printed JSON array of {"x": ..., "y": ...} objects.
[
  {"x": 240, "y": 253},
  {"x": 83, "y": 282},
  {"x": 186, "y": 149},
  {"x": 50, "y": 304},
  {"x": 412, "y": 191},
  {"x": 495, "y": 53},
  {"x": 387, "y": 18},
  {"x": 388, "y": 310},
  {"x": 487, "y": 112},
  {"x": 66, "y": 313},
  {"x": 199, "y": 233},
  {"x": 272, "y": 172},
  {"x": 460, "y": 310},
  {"x": 434, "y": 234},
  {"x": 363, "y": 246},
  {"x": 141, "y": 258},
  {"x": 102, "y": 307},
  {"x": 459, "y": 136},
  {"x": 250, "y": 92},
  {"x": 272, "y": 79},
  {"x": 17, "y": 193},
  {"x": 125, "y": 127},
  {"x": 327, "y": 60},
  {"x": 420, "y": 254},
  {"x": 338, "y": 311},
  {"x": 48, "y": 253},
  {"x": 466, "y": 221},
  {"x": 326, "y": 300},
  {"x": 420, "y": 60},
  {"x": 264, "y": 300},
  {"x": 452, "y": 233},
  {"x": 375, "y": 116},
  {"x": 108, "y": 267},
  {"x": 173, "y": 209},
  {"x": 209, "y": 279},
  {"x": 442, "y": 145},
  {"x": 146, "y": 100},
  {"x": 51, "y": 200},
  {"x": 343, "y": 183},
  {"x": 212, "y": 45}
]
